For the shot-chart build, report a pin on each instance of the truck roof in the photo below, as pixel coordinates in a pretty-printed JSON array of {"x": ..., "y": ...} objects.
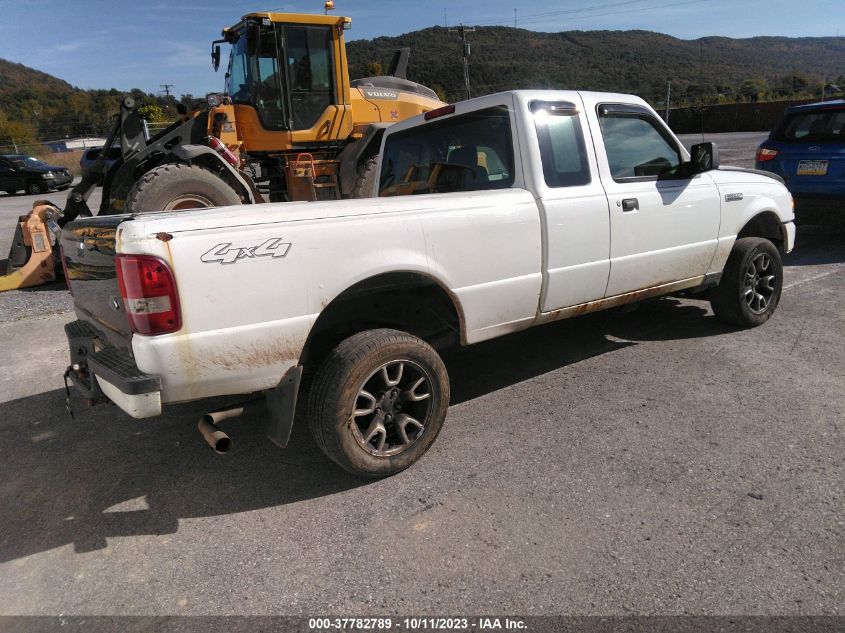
[{"x": 578, "y": 97}]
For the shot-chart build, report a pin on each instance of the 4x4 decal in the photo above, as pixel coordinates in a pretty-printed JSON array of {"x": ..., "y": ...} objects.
[{"x": 228, "y": 254}]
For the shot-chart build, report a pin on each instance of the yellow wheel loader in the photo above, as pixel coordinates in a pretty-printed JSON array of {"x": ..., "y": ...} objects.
[{"x": 290, "y": 125}]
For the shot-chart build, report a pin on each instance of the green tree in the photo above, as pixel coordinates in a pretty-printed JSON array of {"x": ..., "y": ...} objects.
[
  {"x": 15, "y": 133},
  {"x": 373, "y": 69},
  {"x": 752, "y": 89},
  {"x": 152, "y": 113}
]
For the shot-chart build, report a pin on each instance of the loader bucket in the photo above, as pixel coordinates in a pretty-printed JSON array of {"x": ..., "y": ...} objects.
[{"x": 31, "y": 259}]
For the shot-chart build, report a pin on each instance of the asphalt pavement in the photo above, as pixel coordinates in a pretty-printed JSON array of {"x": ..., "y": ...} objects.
[{"x": 652, "y": 461}]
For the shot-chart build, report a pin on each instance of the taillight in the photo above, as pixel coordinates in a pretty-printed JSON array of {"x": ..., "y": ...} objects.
[
  {"x": 149, "y": 294},
  {"x": 764, "y": 154}
]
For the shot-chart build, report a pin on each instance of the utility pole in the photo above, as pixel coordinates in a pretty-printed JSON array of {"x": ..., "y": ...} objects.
[
  {"x": 514, "y": 17},
  {"x": 445, "y": 19},
  {"x": 668, "y": 98},
  {"x": 466, "y": 52},
  {"x": 166, "y": 88}
]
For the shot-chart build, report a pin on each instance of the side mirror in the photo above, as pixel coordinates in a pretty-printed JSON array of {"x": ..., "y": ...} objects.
[
  {"x": 215, "y": 58},
  {"x": 704, "y": 157}
]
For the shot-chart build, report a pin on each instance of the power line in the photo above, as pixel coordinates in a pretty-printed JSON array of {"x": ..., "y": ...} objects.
[{"x": 535, "y": 18}]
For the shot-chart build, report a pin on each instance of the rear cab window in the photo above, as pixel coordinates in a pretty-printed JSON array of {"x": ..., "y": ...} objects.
[
  {"x": 563, "y": 153},
  {"x": 467, "y": 152},
  {"x": 638, "y": 147},
  {"x": 825, "y": 125}
]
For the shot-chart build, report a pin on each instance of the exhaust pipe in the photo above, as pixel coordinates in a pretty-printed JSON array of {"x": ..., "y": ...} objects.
[
  {"x": 213, "y": 434},
  {"x": 216, "y": 438}
]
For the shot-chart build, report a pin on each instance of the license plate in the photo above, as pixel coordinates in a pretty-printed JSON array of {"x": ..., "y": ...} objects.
[{"x": 812, "y": 167}]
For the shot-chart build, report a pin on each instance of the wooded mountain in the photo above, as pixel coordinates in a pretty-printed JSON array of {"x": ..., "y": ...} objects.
[
  {"x": 707, "y": 70},
  {"x": 638, "y": 62}
]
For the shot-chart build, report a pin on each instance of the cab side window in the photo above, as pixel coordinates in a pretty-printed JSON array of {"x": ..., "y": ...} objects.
[
  {"x": 637, "y": 147},
  {"x": 468, "y": 152},
  {"x": 562, "y": 150}
]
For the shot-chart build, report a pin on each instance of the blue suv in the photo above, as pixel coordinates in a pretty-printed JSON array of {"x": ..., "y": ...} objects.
[{"x": 807, "y": 150}]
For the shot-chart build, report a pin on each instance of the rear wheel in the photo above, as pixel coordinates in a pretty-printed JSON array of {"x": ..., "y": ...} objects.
[
  {"x": 751, "y": 283},
  {"x": 35, "y": 188},
  {"x": 176, "y": 187},
  {"x": 378, "y": 402}
]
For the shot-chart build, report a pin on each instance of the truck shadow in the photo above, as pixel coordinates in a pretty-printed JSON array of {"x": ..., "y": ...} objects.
[
  {"x": 104, "y": 474},
  {"x": 480, "y": 369}
]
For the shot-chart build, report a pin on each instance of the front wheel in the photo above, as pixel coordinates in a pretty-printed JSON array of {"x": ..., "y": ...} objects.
[
  {"x": 751, "y": 283},
  {"x": 378, "y": 402},
  {"x": 177, "y": 187},
  {"x": 36, "y": 188}
]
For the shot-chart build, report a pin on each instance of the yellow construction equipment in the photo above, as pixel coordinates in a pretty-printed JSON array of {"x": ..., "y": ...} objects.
[
  {"x": 31, "y": 259},
  {"x": 290, "y": 125}
]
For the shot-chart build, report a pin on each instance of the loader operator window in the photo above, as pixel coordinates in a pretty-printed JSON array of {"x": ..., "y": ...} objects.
[
  {"x": 309, "y": 62},
  {"x": 467, "y": 152}
]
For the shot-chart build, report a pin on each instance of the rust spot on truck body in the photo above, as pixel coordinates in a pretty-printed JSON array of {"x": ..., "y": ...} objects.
[
  {"x": 164, "y": 237},
  {"x": 619, "y": 300},
  {"x": 238, "y": 358}
]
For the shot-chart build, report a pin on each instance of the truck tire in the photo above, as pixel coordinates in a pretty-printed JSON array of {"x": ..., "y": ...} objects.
[
  {"x": 366, "y": 181},
  {"x": 751, "y": 283},
  {"x": 378, "y": 402},
  {"x": 175, "y": 187}
]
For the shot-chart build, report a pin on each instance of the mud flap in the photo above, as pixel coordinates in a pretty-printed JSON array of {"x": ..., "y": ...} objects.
[
  {"x": 31, "y": 259},
  {"x": 281, "y": 404}
]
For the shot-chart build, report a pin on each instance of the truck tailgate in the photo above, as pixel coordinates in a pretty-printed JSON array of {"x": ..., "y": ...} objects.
[{"x": 88, "y": 250}]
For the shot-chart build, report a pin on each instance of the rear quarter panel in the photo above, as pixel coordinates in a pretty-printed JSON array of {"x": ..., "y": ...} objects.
[{"x": 245, "y": 322}]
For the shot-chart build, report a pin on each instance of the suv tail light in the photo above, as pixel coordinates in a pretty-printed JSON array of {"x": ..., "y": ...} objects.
[
  {"x": 149, "y": 294},
  {"x": 764, "y": 154}
]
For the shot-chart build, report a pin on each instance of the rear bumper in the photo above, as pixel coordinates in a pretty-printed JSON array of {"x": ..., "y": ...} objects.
[{"x": 100, "y": 370}]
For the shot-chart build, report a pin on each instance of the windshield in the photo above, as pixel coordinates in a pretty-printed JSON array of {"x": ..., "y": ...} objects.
[
  {"x": 28, "y": 161},
  {"x": 255, "y": 78},
  {"x": 236, "y": 76},
  {"x": 819, "y": 126}
]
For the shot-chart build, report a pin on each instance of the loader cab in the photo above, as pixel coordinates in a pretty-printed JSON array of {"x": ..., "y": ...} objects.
[{"x": 287, "y": 69}]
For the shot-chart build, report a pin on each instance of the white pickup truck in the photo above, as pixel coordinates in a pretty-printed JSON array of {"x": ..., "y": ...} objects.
[{"x": 487, "y": 217}]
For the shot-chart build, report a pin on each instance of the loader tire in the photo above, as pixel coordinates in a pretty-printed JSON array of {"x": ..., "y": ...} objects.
[
  {"x": 177, "y": 187},
  {"x": 366, "y": 181}
]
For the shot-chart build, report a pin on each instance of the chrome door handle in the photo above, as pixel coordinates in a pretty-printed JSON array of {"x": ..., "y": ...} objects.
[{"x": 630, "y": 204}]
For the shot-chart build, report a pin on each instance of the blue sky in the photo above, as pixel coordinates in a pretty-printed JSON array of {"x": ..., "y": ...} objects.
[{"x": 144, "y": 43}]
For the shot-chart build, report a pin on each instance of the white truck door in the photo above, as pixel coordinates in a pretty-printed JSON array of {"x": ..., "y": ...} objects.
[
  {"x": 572, "y": 201},
  {"x": 663, "y": 225}
]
